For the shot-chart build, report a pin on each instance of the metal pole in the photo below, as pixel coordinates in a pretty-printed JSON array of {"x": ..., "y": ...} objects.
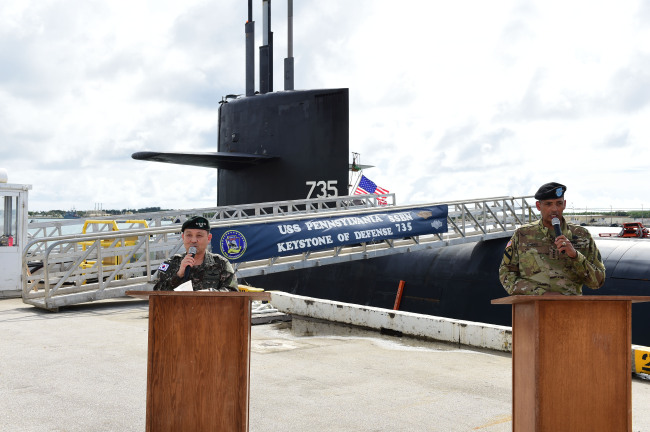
[
  {"x": 249, "y": 29},
  {"x": 266, "y": 50},
  {"x": 398, "y": 297},
  {"x": 8, "y": 209},
  {"x": 290, "y": 28},
  {"x": 288, "y": 62}
]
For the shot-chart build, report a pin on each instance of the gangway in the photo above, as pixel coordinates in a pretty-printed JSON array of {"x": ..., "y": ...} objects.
[
  {"x": 127, "y": 259},
  {"x": 50, "y": 229}
]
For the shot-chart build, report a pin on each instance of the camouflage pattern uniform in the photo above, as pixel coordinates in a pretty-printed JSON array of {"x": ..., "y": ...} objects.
[
  {"x": 532, "y": 264},
  {"x": 214, "y": 272}
]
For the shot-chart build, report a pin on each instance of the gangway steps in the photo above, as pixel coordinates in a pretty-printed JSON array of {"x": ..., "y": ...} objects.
[{"x": 89, "y": 267}]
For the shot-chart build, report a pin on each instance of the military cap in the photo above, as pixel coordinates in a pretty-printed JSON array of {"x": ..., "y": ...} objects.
[
  {"x": 550, "y": 191},
  {"x": 196, "y": 222}
]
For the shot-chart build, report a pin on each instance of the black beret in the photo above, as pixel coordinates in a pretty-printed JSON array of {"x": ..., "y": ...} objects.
[
  {"x": 196, "y": 222},
  {"x": 550, "y": 191}
]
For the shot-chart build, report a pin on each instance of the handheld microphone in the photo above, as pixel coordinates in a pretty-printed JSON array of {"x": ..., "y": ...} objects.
[
  {"x": 192, "y": 251},
  {"x": 556, "y": 226}
]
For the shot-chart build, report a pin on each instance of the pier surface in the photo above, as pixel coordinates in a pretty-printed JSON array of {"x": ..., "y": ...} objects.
[{"x": 84, "y": 369}]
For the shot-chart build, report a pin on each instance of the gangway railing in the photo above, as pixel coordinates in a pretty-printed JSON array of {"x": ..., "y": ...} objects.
[
  {"x": 69, "y": 269},
  {"x": 88, "y": 267},
  {"x": 60, "y": 227},
  {"x": 61, "y": 269}
]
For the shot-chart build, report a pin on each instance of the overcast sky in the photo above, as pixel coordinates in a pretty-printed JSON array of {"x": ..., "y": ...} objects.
[{"x": 449, "y": 100}]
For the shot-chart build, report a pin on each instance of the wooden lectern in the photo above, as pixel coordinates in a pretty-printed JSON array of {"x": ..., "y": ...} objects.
[
  {"x": 199, "y": 360},
  {"x": 571, "y": 362}
]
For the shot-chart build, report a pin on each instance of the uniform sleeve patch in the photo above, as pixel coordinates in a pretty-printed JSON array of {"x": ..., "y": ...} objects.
[
  {"x": 163, "y": 267},
  {"x": 507, "y": 253}
]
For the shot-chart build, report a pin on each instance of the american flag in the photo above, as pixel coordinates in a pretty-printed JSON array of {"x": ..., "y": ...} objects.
[{"x": 367, "y": 186}]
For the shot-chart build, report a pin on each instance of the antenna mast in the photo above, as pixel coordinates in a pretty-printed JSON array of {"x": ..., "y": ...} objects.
[
  {"x": 250, "y": 51},
  {"x": 266, "y": 50},
  {"x": 288, "y": 62}
]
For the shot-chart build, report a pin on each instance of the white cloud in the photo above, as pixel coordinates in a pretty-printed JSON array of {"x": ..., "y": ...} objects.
[{"x": 446, "y": 104}]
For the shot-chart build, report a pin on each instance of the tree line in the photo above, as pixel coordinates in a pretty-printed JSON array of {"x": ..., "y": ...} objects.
[
  {"x": 634, "y": 214},
  {"x": 81, "y": 213}
]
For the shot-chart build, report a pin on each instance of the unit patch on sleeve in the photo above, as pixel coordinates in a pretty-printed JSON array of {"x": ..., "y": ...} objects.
[{"x": 507, "y": 254}]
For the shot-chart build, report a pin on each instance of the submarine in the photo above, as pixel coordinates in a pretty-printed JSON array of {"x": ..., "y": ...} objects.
[{"x": 278, "y": 145}]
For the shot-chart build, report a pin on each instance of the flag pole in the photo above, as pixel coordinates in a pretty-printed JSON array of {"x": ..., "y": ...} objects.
[{"x": 356, "y": 183}]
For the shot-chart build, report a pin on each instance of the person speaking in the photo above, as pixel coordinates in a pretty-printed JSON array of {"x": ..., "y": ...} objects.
[
  {"x": 551, "y": 256},
  {"x": 206, "y": 270}
]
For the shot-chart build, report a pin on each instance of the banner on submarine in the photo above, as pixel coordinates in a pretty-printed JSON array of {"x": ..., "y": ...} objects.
[{"x": 293, "y": 237}]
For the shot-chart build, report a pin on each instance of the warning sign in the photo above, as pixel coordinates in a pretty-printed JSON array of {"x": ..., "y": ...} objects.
[{"x": 642, "y": 361}]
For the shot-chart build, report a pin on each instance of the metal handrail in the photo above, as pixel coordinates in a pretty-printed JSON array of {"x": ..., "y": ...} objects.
[
  {"x": 231, "y": 212},
  {"x": 72, "y": 263}
]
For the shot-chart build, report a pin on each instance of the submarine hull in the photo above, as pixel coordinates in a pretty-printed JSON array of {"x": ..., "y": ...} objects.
[{"x": 457, "y": 282}]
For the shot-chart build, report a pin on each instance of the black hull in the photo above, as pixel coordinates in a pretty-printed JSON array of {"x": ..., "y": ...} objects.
[{"x": 457, "y": 282}]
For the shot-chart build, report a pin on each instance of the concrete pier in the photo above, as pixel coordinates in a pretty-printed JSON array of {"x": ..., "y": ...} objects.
[{"x": 84, "y": 369}]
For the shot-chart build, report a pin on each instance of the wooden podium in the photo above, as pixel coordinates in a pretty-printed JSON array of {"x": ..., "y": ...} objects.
[
  {"x": 199, "y": 360},
  {"x": 571, "y": 362}
]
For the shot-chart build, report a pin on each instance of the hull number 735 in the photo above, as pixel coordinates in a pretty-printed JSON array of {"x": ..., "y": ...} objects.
[{"x": 322, "y": 189}]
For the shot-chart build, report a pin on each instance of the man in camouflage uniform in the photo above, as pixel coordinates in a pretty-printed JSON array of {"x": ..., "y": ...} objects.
[
  {"x": 536, "y": 262},
  {"x": 207, "y": 270}
]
